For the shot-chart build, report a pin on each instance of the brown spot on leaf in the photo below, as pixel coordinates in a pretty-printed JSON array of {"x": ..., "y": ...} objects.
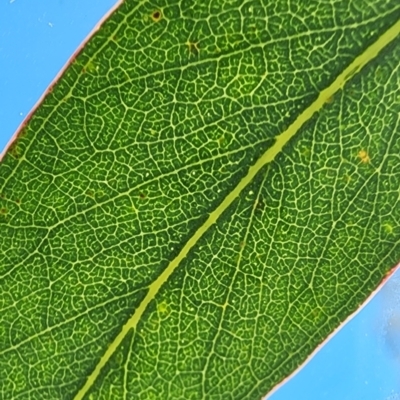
[
  {"x": 329, "y": 100},
  {"x": 156, "y": 15},
  {"x": 193, "y": 47},
  {"x": 23, "y": 131},
  {"x": 15, "y": 150}
]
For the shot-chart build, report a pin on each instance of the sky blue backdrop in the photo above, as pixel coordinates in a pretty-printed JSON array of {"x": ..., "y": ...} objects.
[{"x": 36, "y": 38}]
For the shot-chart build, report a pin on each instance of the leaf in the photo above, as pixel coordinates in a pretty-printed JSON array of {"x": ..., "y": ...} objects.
[{"x": 207, "y": 192}]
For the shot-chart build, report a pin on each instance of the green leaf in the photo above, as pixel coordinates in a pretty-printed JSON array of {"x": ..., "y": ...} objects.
[{"x": 207, "y": 192}]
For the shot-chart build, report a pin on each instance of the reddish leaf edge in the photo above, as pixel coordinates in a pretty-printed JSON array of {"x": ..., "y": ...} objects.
[
  {"x": 58, "y": 76},
  {"x": 385, "y": 279}
]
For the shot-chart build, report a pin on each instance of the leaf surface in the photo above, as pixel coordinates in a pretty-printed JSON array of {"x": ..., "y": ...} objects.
[{"x": 207, "y": 192}]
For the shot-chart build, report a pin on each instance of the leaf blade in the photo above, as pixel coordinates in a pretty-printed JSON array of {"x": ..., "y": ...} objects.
[{"x": 97, "y": 204}]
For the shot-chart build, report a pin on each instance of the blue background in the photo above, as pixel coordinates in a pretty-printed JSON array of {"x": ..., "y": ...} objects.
[{"x": 362, "y": 361}]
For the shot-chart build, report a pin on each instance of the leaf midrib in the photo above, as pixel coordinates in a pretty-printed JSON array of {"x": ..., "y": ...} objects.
[{"x": 281, "y": 140}]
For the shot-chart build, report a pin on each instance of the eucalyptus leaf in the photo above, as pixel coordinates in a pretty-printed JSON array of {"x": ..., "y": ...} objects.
[{"x": 207, "y": 192}]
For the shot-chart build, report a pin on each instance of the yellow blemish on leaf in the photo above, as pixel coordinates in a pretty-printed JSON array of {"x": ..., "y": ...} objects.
[
  {"x": 23, "y": 131},
  {"x": 15, "y": 150},
  {"x": 193, "y": 48},
  {"x": 329, "y": 100},
  {"x": 163, "y": 308},
  {"x": 315, "y": 313},
  {"x": 363, "y": 156},
  {"x": 224, "y": 140},
  {"x": 347, "y": 178},
  {"x": 305, "y": 152},
  {"x": 90, "y": 67},
  {"x": 221, "y": 141},
  {"x": 388, "y": 228}
]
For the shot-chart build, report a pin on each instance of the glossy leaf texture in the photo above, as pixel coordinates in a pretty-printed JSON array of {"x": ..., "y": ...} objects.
[{"x": 207, "y": 192}]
